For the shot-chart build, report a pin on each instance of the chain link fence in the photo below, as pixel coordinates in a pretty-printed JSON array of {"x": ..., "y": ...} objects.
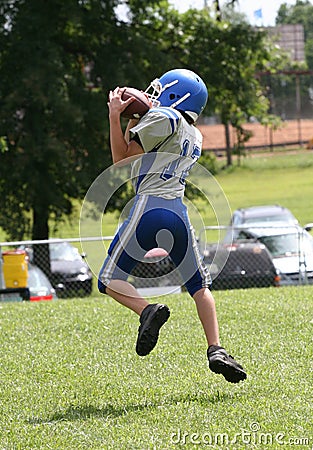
[
  {"x": 246, "y": 256},
  {"x": 256, "y": 255},
  {"x": 46, "y": 269}
]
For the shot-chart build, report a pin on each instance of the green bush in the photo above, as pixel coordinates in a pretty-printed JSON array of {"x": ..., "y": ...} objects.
[{"x": 208, "y": 160}]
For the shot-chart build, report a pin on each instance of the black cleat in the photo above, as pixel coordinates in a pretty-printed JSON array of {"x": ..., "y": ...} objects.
[
  {"x": 151, "y": 320},
  {"x": 221, "y": 362}
]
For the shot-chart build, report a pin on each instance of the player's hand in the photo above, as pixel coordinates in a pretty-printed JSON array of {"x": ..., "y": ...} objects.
[
  {"x": 116, "y": 104},
  {"x": 150, "y": 102}
]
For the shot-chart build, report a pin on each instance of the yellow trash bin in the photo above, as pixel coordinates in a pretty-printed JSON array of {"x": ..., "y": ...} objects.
[{"x": 15, "y": 269}]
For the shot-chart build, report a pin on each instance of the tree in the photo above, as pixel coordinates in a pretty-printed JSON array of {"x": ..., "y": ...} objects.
[
  {"x": 46, "y": 115},
  {"x": 218, "y": 9},
  {"x": 58, "y": 60},
  {"x": 228, "y": 56}
]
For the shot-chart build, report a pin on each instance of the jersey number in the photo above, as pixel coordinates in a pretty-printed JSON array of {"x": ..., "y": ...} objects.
[{"x": 172, "y": 168}]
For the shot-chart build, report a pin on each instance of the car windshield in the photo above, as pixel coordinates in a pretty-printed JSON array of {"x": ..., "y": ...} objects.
[
  {"x": 287, "y": 244},
  {"x": 63, "y": 252}
]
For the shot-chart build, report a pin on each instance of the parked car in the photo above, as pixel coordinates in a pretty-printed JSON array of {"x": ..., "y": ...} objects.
[
  {"x": 245, "y": 217},
  {"x": 240, "y": 265},
  {"x": 70, "y": 274},
  {"x": 39, "y": 286},
  {"x": 291, "y": 248}
]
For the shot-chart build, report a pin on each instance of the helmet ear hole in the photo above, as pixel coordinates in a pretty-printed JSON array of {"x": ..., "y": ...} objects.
[{"x": 184, "y": 90}]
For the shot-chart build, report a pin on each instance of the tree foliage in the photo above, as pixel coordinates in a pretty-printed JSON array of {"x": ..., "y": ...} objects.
[
  {"x": 228, "y": 55},
  {"x": 58, "y": 60}
]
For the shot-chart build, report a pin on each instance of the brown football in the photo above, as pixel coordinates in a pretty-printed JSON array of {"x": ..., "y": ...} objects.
[{"x": 138, "y": 107}]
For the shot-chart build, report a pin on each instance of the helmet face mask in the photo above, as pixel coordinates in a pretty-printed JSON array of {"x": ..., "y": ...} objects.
[
  {"x": 154, "y": 91},
  {"x": 181, "y": 89}
]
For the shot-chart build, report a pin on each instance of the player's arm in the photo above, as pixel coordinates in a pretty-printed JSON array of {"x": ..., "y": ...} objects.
[
  {"x": 121, "y": 148},
  {"x": 131, "y": 123}
]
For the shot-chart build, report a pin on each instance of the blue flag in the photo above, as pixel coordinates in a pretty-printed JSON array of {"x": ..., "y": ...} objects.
[{"x": 258, "y": 14}]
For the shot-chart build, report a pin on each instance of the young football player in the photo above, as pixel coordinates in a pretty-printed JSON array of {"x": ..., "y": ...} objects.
[{"x": 162, "y": 147}]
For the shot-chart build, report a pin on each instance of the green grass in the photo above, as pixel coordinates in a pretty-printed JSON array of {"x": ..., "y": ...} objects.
[
  {"x": 278, "y": 178},
  {"x": 70, "y": 377},
  {"x": 283, "y": 179}
]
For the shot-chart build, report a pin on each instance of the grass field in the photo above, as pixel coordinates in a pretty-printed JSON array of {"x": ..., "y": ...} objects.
[
  {"x": 280, "y": 178},
  {"x": 70, "y": 377}
]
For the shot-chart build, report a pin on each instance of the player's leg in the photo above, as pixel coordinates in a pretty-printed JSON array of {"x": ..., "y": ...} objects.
[
  {"x": 206, "y": 310},
  {"x": 152, "y": 316},
  {"x": 115, "y": 271},
  {"x": 196, "y": 279},
  {"x": 197, "y": 282},
  {"x": 124, "y": 253},
  {"x": 126, "y": 294},
  {"x": 219, "y": 360}
]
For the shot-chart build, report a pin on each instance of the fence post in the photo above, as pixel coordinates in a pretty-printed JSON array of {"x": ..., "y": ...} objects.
[{"x": 298, "y": 107}]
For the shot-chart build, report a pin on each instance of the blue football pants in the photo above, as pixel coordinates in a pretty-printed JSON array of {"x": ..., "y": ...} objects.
[{"x": 156, "y": 222}]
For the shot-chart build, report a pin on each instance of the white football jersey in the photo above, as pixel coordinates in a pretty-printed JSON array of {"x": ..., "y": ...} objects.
[{"x": 172, "y": 146}]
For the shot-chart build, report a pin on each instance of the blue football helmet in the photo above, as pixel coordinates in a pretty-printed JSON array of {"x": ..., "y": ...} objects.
[{"x": 180, "y": 89}]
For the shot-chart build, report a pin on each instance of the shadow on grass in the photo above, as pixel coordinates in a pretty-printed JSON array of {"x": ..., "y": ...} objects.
[{"x": 83, "y": 412}]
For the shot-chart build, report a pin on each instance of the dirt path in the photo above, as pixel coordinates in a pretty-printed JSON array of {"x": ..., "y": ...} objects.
[{"x": 291, "y": 133}]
